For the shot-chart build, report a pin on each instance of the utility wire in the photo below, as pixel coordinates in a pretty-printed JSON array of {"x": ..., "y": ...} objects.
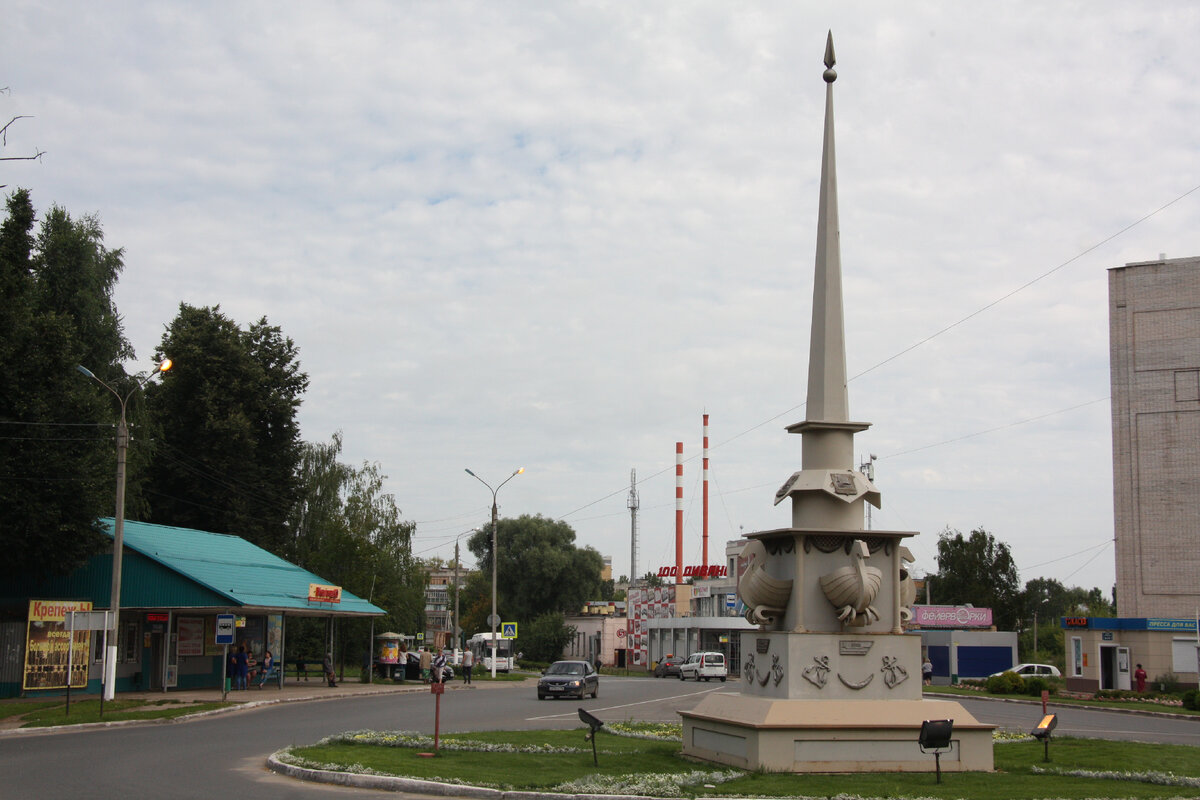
[{"x": 930, "y": 338}]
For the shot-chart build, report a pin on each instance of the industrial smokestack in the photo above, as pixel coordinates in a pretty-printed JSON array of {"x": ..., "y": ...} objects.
[
  {"x": 705, "y": 561},
  {"x": 679, "y": 512}
]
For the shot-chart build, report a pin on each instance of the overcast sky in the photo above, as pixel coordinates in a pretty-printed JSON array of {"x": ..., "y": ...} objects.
[{"x": 553, "y": 235}]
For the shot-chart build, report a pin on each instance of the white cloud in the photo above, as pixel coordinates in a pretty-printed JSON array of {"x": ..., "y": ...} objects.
[{"x": 554, "y": 235}]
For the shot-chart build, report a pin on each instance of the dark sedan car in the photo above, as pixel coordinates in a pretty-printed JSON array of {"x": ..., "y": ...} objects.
[
  {"x": 667, "y": 667},
  {"x": 569, "y": 679}
]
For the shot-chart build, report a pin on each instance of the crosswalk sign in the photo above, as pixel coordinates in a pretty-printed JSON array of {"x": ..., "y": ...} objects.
[{"x": 508, "y": 630}]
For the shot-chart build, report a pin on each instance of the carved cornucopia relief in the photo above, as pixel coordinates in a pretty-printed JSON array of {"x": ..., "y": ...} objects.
[
  {"x": 766, "y": 598},
  {"x": 852, "y": 589}
]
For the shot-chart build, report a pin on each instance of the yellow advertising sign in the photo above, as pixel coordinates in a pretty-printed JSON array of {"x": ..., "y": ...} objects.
[{"x": 47, "y": 643}]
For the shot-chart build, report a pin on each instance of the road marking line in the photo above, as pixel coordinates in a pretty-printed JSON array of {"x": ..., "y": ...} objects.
[{"x": 626, "y": 705}]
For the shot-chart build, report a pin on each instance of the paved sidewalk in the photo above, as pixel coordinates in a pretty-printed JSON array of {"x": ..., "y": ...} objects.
[{"x": 295, "y": 690}]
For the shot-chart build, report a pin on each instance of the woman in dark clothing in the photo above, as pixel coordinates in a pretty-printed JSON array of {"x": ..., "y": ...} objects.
[{"x": 243, "y": 667}]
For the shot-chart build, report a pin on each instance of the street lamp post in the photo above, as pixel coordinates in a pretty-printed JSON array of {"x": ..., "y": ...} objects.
[
  {"x": 494, "y": 620},
  {"x": 110, "y": 667}
]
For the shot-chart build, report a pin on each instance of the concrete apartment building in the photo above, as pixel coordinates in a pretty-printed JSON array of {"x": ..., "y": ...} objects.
[
  {"x": 1154, "y": 352},
  {"x": 1154, "y": 322}
]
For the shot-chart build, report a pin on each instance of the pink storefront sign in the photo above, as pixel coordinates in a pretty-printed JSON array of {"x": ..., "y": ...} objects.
[{"x": 952, "y": 617}]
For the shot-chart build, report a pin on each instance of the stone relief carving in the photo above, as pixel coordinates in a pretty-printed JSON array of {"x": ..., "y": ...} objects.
[
  {"x": 766, "y": 598},
  {"x": 817, "y": 673},
  {"x": 893, "y": 673},
  {"x": 856, "y": 686},
  {"x": 852, "y": 589},
  {"x": 776, "y": 670},
  {"x": 908, "y": 589}
]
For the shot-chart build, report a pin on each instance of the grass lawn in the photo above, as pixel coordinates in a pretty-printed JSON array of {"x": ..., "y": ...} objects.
[
  {"x": 42, "y": 715},
  {"x": 642, "y": 763}
]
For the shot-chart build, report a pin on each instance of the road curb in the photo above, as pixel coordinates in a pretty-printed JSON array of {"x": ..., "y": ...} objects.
[{"x": 238, "y": 706}]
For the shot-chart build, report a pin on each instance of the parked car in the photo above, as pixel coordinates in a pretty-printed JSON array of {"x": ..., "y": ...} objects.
[
  {"x": 667, "y": 667},
  {"x": 1030, "y": 670},
  {"x": 704, "y": 665},
  {"x": 569, "y": 678}
]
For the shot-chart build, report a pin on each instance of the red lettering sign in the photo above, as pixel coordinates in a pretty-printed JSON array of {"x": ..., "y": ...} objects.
[{"x": 697, "y": 571}]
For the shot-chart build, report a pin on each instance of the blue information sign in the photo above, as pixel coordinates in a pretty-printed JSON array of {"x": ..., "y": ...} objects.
[{"x": 224, "y": 629}]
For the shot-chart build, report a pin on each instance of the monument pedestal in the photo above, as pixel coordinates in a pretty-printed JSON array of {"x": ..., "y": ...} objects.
[
  {"x": 831, "y": 702},
  {"x": 830, "y": 735}
]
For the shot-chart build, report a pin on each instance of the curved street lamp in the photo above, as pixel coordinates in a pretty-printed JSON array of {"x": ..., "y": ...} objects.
[
  {"x": 110, "y": 667},
  {"x": 494, "y": 620}
]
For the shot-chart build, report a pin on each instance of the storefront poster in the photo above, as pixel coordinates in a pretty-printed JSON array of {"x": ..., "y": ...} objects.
[
  {"x": 191, "y": 636},
  {"x": 46, "y": 646},
  {"x": 211, "y": 648}
]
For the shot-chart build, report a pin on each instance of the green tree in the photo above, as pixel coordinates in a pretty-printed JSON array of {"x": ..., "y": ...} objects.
[
  {"x": 346, "y": 529},
  {"x": 978, "y": 570},
  {"x": 540, "y": 569},
  {"x": 546, "y": 636},
  {"x": 228, "y": 449},
  {"x": 1047, "y": 600},
  {"x": 57, "y": 457}
]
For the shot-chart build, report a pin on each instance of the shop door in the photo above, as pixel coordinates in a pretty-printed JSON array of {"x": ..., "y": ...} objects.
[
  {"x": 1123, "y": 669},
  {"x": 1108, "y": 667},
  {"x": 155, "y": 668}
]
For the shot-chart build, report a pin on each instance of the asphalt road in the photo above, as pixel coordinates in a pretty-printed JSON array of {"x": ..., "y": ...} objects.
[{"x": 222, "y": 756}]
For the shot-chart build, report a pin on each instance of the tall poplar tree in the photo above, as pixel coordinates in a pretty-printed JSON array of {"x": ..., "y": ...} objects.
[
  {"x": 57, "y": 451},
  {"x": 228, "y": 442}
]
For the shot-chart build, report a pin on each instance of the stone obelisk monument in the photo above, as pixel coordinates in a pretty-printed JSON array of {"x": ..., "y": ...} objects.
[{"x": 830, "y": 681}]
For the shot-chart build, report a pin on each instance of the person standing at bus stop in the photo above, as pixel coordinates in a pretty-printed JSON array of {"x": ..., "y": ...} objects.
[{"x": 468, "y": 665}]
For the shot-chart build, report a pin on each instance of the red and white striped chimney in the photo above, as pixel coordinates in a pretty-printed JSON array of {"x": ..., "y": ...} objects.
[
  {"x": 705, "y": 561},
  {"x": 679, "y": 512}
]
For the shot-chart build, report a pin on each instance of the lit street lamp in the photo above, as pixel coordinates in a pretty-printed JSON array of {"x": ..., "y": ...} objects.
[
  {"x": 494, "y": 620},
  {"x": 110, "y": 667}
]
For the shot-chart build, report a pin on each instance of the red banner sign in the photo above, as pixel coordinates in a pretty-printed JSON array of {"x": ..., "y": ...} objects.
[
  {"x": 698, "y": 571},
  {"x": 318, "y": 593}
]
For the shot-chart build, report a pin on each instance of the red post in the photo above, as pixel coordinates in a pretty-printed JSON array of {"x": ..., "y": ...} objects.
[{"x": 438, "y": 689}]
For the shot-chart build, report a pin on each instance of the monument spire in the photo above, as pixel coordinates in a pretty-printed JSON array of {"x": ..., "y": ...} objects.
[
  {"x": 827, "y": 396},
  {"x": 819, "y": 497}
]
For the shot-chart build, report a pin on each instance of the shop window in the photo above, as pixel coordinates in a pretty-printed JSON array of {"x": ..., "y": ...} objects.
[
  {"x": 1076, "y": 657},
  {"x": 129, "y": 646}
]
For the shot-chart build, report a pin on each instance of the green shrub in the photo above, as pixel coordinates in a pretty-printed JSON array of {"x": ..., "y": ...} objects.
[
  {"x": 1036, "y": 684},
  {"x": 1167, "y": 682},
  {"x": 1191, "y": 700},
  {"x": 1006, "y": 683}
]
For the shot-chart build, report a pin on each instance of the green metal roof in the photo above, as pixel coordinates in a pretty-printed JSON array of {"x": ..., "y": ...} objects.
[{"x": 231, "y": 567}]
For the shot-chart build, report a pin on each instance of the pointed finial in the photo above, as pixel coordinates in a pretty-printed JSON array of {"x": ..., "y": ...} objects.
[{"x": 830, "y": 76}]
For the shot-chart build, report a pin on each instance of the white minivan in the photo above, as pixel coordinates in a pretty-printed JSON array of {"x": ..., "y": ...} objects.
[{"x": 703, "y": 665}]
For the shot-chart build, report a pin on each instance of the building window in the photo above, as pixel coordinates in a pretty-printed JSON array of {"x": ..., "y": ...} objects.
[
  {"x": 128, "y": 649},
  {"x": 1076, "y": 657}
]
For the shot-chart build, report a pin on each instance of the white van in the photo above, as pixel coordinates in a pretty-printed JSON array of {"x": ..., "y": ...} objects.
[{"x": 703, "y": 665}]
